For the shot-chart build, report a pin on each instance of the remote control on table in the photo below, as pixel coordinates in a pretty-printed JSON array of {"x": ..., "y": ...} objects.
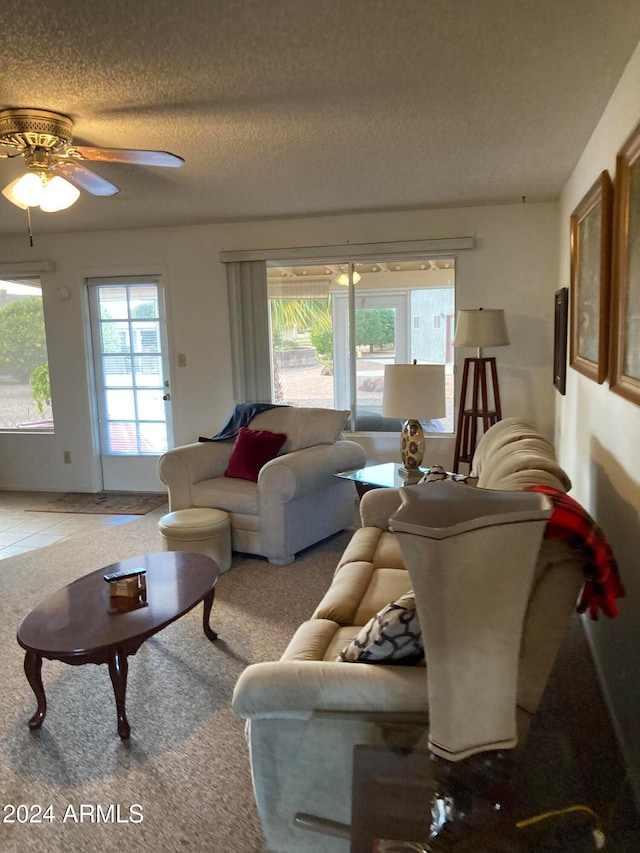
[{"x": 124, "y": 573}]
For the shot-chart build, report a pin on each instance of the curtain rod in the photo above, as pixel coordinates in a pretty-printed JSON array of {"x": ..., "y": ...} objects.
[
  {"x": 350, "y": 251},
  {"x": 24, "y": 267}
]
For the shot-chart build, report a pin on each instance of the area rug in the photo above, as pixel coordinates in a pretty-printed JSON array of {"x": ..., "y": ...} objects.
[
  {"x": 187, "y": 763},
  {"x": 107, "y": 503}
]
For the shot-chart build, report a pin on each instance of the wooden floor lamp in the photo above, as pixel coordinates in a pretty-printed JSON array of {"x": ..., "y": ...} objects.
[{"x": 479, "y": 394}]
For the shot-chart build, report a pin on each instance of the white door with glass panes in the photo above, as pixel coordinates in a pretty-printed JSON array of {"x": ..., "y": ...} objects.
[
  {"x": 382, "y": 337},
  {"x": 131, "y": 373}
]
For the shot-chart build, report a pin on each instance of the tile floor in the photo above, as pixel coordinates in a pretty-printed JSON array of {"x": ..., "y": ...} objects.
[{"x": 22, "y": 530}]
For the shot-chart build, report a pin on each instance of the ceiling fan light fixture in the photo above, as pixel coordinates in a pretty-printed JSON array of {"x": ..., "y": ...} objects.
[
  {"x": 343, "y": 278},
  {"x": 58, "y": 194},
  {"x": 25, "y": 191},
  {"x": 43, "y": 139},
  {"x": 36, "y": 189}
]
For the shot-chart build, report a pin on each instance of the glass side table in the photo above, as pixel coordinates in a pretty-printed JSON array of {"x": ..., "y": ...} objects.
[{"x": 383, "y": 476}]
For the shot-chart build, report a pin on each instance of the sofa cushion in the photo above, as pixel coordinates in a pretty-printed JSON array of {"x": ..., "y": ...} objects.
[
  {"x": 311, "y": 640},
  {"x": 374, "y": 545},
  {"x": 318, "y": 640},
  {"x": 386, "y": 585},
  {"x": 252, "y": 449},
  {"x": 343, "y": 597},
  {"x": 528, "y": 454},
  {"x": 504, "y": 432},
  {"x": 229, "y": 493},
  {"x": 305, "y": 427},
  {"x": 393, "y": 635}
]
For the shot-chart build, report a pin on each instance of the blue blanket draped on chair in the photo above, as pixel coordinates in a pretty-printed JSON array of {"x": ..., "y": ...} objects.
[{"x": 241, "y": 416}]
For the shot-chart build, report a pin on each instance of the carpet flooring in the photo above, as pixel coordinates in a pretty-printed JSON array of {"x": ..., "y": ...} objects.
[
  {"x": 186, "y": 762},
  {"x": 108, "y": 503},
  {"x": 186, "y": 765}
]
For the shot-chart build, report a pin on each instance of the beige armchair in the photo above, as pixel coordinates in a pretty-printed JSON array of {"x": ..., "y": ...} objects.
[{"x": 296, "y": 501}]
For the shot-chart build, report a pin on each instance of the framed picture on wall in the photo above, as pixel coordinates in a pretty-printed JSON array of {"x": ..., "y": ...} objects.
[
  {"x": 560, "y": 339},
  {"x": 591, "y": 227},
  {"x": 625, "y": 304}
]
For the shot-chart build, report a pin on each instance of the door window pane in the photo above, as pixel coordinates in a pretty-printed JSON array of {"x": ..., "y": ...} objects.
[
  {"x": 113, "y": 302},
  {"x": 143, "y": 302},
  {"x": 148, "y": 370},
  {"x": 153, "y": 438},
  {"x": 120, "y": 405},
  {"x": 123, "y": 437},
  {"x": 146, "y": 336},
  {"x": 115, "y": 337},
  {"x": 116, "y": 370},
  {"x": 150, "y": 405}
]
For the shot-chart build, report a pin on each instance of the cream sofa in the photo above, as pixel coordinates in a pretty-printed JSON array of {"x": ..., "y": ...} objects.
[
  {"x": 296, "y": 501},
  {"x": 306, "y": 712}
]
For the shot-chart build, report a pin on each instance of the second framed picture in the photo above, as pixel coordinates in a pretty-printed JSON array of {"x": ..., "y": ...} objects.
[
  {"x": 560, "y": 340},
  {"x": 591, "y": 226},
  {"x": 625, "y": 343}
]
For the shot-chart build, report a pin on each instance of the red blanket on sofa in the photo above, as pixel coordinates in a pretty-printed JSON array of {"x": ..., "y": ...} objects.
[{"x": 570, "y": 522}]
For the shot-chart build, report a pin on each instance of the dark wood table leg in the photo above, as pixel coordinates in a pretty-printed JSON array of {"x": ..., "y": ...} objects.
[
  {"x": 118, "y": 668},
  {"x": 33, "y": 671},
  {"x": 209, "y": 633}
]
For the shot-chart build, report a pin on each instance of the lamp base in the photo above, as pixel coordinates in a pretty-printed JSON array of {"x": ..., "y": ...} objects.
[
  {"x": 410, "y": 476},
  {"x": 412, "y": 445}
]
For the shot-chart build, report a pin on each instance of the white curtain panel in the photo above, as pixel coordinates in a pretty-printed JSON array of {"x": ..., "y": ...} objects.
[{"x": 250, "y": 345}]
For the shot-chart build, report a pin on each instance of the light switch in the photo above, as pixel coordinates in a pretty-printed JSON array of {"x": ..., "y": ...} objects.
[{"x": 182, "y": 359}]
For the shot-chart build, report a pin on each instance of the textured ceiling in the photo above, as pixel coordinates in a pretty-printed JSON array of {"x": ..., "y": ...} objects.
[{"x": 297, "y": 107}]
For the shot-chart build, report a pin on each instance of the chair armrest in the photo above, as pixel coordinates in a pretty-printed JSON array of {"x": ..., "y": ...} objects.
[
  {"x": 182, "y": 466},
  {"x": 304, "y": 471},
  {"x": 299, "y": 688},
  {"x": 377, "y": 506}
]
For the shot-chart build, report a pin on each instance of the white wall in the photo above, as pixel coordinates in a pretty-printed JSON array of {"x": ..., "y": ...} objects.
[
  {"x": 598, "y": 438},
  {"x": 513, "y": 266}
]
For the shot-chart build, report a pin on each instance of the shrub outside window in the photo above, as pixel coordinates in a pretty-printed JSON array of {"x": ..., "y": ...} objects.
[{"x": 25, "y": 389}]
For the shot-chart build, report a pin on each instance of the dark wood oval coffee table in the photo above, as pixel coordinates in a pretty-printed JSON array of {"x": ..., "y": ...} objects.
[{"x": 80, "y": 623}]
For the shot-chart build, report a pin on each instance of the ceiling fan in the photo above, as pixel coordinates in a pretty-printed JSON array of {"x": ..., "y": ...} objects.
[{"x": 55, "y": 169}]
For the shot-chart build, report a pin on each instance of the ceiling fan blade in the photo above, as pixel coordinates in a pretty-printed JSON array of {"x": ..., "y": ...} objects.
[
  {"x": 84, "y": 178},
  {"x": 8, "y": 150},
  {"x": 127, "y": 155}
]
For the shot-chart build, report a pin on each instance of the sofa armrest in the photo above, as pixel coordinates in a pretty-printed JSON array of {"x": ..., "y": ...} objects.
[
  {"x": 182, "y": 466},
  {"x": 300, "y": 688},
  {"x": 377, "y": 506},
  {"x": 304, "y": 471}
]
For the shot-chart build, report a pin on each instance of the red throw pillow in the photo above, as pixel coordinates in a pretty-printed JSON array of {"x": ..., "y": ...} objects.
[{"x": 253, "y": 448}]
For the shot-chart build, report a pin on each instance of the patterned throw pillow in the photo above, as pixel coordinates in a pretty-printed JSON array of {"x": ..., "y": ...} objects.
[{"x": 392, "y": 636}]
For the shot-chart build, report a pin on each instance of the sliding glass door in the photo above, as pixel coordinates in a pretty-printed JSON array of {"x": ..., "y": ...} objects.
[
  {"x": 332, "y": 332},
  {"x": 381, "y": 337}
]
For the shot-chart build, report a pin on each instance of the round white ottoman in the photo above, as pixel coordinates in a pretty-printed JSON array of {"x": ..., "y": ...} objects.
[{"x": 205, "y": 531}]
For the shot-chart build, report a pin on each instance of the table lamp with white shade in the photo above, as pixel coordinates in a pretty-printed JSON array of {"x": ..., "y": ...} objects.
[
  {"x": 414, "y": 393},
  {"x": 478, "y": 328}
]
